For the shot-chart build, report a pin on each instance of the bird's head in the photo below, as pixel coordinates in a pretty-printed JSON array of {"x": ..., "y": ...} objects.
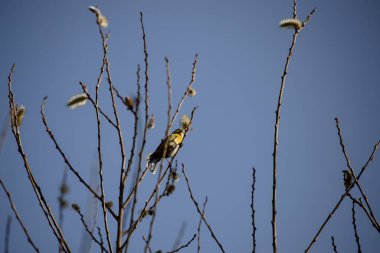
[{"x": 179, "y": 131}]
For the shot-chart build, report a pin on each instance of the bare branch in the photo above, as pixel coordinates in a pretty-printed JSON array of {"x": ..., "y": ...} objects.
[
  {"x": 18, "y": 217},
  {"x": 36, "y": 188},
  {"x": 199, "y": 211},
  {"x": 341, "y": 199},
  {"x": 253, "y": 211},
  {"x": 357, "y": 239},
  {"x": 333, "y": 244},
  {"x": 100, "y": 243},
  {"x": 75, "y": 172},
  {"x": 352, "y": 172},
  {"x": 199, "y": 226},
  {"x": 185, "y": 245}
]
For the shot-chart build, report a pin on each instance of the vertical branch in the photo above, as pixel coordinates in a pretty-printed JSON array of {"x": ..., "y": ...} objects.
[
  {"x": 122, "y": 151},
  {"x": 135, "y": 190},
  {"x": 169, "y": 84},
  {"x": 357, "y": 239},
  {"x": 275, "y": 146},
  {"x": 333, "y": 244},
  {"x": 135, "y": 112},
  {"x": 253, "y": 211},
  {"x": 18, "y": 217},
  {"x": 7, "y": 234},
  {"x": 277, "y": 124}
]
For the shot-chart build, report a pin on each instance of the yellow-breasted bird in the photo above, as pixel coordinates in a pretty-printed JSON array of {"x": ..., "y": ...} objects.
[{"x": 172, "y": 142}]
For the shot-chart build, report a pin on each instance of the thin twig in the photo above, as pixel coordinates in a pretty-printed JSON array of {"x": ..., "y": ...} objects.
[
  {"x": 18, "y": 217},
  {"x": 74, "y": 171},
  {"x": 100, "y": 110},
  {"x": 357, "y": 239},
  {"x": 185, "y": 245},
  {"x": 360, "y": 204},
  {"x": 253, "y": 210},
  {"x": 199, "y": 226},
  {"x": 136, "y": 116},
  {"x": 146, "y": 55},
  {"x": 100, "y": 243},
  {"x": 199, "y": 211},
  {"x": 169, "y": 85},
  {"x": 333, "y": 244},
  {"x": 7, "y": 234},
  {"x": 276, "y": 127},
  {"x": 342, "y": 198},
  {"x": 192, "y": 80},
  {"x": 352, "y": 172},
  {"x": 36, "y": 188},
  {"x": 122, "y": 151},
  {"x": 101, "y": 238},
  {"x": 146, "y": 243}
]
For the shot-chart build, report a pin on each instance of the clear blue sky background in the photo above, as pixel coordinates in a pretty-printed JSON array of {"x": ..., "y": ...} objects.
[{"x": 242, "y": 51}]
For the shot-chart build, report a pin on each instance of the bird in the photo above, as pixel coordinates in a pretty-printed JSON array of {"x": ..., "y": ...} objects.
[
  {"x": 347, "y": 178},
  {"x": 172, "y": 142}
]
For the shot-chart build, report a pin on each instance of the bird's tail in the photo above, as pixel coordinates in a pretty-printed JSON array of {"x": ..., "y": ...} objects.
[{"x": 151, "y": 162}]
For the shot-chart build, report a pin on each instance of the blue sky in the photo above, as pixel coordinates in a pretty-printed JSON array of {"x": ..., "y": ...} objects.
[{"x": 242, "y": 52}]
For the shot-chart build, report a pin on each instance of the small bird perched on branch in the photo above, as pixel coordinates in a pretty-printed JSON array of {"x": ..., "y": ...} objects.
[
  {"x": 347, "y": 178},
  {"x": 172, "y": 142}
]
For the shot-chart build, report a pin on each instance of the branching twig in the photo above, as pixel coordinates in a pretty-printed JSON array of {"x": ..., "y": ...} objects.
[
  {"x": 360, "y": 204},
  {"x": 192, "y": 80},
  {"x": 185, "y": 245},
  {"x": 199, "y": 211},
  {"x": 74, "y": 171},
  {"x": 342, "y": 198},
  {"x": 100, "y": 243},
  {"x": 352, "y": 172},
  {"x": 36, "y": 188},
  {"x": 147, "y": 243},
  {"x": 357, "y": 239},
  {"x": 253, "y": 211},
  {"x": 199, "y": 227},
  {"x": 18, "y": 217},
  {"x": 101, "y": 238},
  {"x": 135, "y": 189}
]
